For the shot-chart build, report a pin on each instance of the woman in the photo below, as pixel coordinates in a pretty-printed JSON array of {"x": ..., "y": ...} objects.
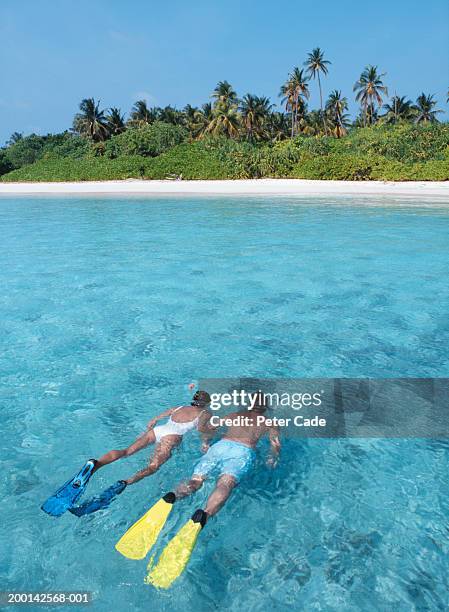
[{"x": 166, "y": 438}]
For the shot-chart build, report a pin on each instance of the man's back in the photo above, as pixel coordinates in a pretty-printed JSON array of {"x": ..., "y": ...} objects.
[{"x": 248, "y": 427}]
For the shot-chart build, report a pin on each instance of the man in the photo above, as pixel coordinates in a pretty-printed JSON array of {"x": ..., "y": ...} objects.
[{"x": 231, "y": 458}]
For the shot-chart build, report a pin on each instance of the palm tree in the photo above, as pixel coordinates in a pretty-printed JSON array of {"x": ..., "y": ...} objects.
[
  {"x": 287, "y": 93},
  {"x": 368, "y": 116},
  {"x": 301, "y": 92},
  {"x": 224, "y": 93},
  {"x": 315, "y": 65},
  {"x": 255, "y": 111},
  {"x": 336, "y": 107},
  {"x": 225, "y": 120},
  {"x": 91, "y": 121},
  {"x": 294, "y": 92},
  {"x": 369, "y": 89},
  {"x": 278, "y": 126},
  {"x": 301, "y": 115},
  {"x": 426, "y": 111},
  {"x": 264, "y": 110},
  {"x": 313, "y": 123},
  {"x": 141, "y": 114},
  {"x": 201, "y": 120},
  {"x": 188, "y": 115},
  {"x": 399, "y": 109},
  {"x": 15, "y": 137},
  {"x": 115, "y": 121},
  {"x": 171, "y": 115}
]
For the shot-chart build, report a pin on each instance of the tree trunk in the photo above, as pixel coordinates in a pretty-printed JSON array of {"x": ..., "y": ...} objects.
[
  {"x": 321, "y": 104},
  {"x": 296, "y": 117},
  {"x": 296, "y": 114},
  {"x": 293, "y": 120}
]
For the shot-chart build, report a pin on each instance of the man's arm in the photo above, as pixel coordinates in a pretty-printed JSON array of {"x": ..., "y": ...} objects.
[
  {"x": 275, "y": 446},
  {"x": 206, "y": 430}
]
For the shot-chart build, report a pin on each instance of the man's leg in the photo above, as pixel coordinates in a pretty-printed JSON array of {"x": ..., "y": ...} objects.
[
  {"x": 142, "y": 441},
  {"x": 223, "y": 489},
  {"x": 191, "y": 486},
  {"x": 162, "y": 453}
]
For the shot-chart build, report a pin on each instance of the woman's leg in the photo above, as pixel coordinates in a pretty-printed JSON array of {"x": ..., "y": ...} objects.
[
  {"x": 142, "y": 441},
  {"x": 161, "y": 454}
]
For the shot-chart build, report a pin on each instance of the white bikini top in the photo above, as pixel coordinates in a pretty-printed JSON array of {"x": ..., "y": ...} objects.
[{"x": 181, "y": 428}]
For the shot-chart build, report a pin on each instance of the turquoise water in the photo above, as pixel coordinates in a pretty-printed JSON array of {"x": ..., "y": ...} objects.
[{"x": 110, "y": 307}]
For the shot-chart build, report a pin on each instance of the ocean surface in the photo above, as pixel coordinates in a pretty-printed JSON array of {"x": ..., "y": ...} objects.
[{"x": 110, "y": 307}]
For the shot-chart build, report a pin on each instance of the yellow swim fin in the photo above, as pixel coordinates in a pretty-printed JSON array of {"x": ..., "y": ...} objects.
[
  {"x": 141, "y": 536},
  {"x": 176, "y": 554}
]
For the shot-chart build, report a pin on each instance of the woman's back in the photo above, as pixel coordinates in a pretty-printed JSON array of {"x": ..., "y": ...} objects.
[{"x": 186, "y": 414}]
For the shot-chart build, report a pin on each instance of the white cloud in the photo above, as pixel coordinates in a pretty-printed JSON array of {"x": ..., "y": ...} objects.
[
  {"x": 144, "y": 95},
  {"x": 33, "y": 129},
  {"x": 15, "y": 104},
  {"x": 118, "y": 36}
]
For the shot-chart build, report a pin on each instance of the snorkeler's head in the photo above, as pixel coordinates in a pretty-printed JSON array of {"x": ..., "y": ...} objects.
[
  {"x": 260, "y": 403},
  {"x": 201, "y": 398}
]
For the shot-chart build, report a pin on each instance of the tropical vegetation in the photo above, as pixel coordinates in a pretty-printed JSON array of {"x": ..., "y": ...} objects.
[{"x": 232, "y": 136}]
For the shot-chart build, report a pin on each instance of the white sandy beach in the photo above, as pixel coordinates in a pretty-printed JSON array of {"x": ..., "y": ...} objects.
[{"x": 290, "y": 187}]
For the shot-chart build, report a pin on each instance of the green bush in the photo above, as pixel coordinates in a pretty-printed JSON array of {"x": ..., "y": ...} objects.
[
  {"x": 31, "y": 148},
  {"x": 27, "y": 150},
  {"x": 433, "y": 170},
  {"x": 244, "y": 160},
  {"x": 405, "y": 142},
  {"x": 279, "y": 160},
  {"x": 5, "y": 164},
  {"x": 67, "y": 145},
  {"x": 218, "y": 158},
  {"x": 362, "y": 168},
  {"x": 191, "y": 160},
  {"x": 314, "y": 145},
  {"x": 334, "y": 167},
  {"x": 148, "y": 140},
  {"x": 69, "y": 169},
  {"x": 398, "y": 153}
]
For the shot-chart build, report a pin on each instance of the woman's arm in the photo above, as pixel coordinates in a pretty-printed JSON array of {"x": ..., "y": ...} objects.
[{"x": 160, "y": 416}]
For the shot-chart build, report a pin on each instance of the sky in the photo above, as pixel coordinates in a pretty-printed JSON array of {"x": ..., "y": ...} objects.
[{"x": 54, "y": 53}]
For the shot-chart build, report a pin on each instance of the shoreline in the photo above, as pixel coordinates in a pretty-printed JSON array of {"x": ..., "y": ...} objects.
[{"x": 257, "y": 187}]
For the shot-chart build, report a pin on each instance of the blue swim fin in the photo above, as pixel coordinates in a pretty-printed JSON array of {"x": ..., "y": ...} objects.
[
  {"x": 70, "y": 492},
  {"x": 101, "y": 501}
]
